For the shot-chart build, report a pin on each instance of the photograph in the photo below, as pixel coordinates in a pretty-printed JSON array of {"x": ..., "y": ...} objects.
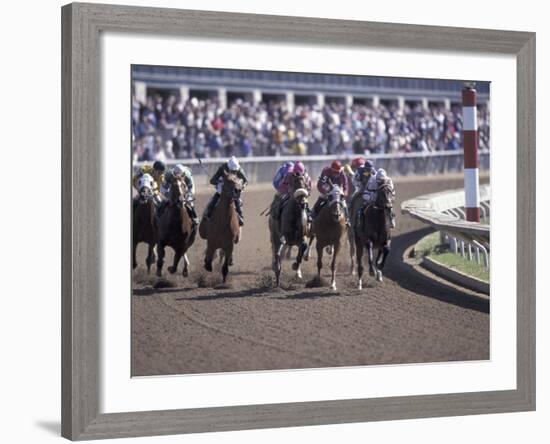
[{"x": 290, "y": 220}]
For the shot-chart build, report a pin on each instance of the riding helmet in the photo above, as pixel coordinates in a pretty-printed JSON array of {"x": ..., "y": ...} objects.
[
  {"x": 336, "y": 166},
  {"x": 159, "y": 166}
]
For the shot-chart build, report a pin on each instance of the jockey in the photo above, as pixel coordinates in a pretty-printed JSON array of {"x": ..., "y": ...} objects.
[
  {"x": 362, "y": 176},
  {"x": 231, "y": 166},
  {"x": 351, "y": 169},
  {"x": 333, "y": 175},
  {"x": 181, "y": 172},
  {"x": 156, "y": 172},
  {"x": 281, "y": 173},
  {"x": 375, "y": 182},
  {"x": 284, "y": 189}
]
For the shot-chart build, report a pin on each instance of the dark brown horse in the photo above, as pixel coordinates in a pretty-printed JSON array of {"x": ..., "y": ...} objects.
[
  {"x": 143, "y": 225},
  {"x": 175, "y": 228},
  {"x": 374, "y": 232},
  {"x": 329, "y": 227},
  {"x": 291, "y": 230},
  {"x": 221, "y": 230}
]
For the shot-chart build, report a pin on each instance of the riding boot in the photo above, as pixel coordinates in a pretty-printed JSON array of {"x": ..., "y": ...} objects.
[
  {"x": 239, "y": 208},
  {"x": 392, "y": 217},
  {"x": 346, "y": 214},
  {"x": 280, "y": 207},
  {"x": 161, "y": 207},
  {"x": 308, "y": 214},
  {"x": 213, "y": 202},
  {"x": 361, "y": 217},
  {"x": 193, "y": 214},
  {"x": 316, "y": 208}
]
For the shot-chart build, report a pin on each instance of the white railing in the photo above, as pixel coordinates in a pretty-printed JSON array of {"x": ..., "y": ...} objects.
[
  {"x": 262, "y": 168},
  {"x": 445, "y": 212}
]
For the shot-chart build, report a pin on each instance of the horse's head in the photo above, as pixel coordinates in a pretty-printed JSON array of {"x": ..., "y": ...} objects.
[
  {"x": 383, "y": 198},
  {"x": 298, "y": 181},
  {"x": 300, "y": 196},
  {"x": 232, "y": 186},
  {"x": 145, "y": 194},
  {"x": 178, "y": 190},
  {"x": 336, "y": 197}
]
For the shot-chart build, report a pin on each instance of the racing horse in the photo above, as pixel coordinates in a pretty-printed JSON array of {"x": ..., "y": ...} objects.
[
  {"x": 374, "y": 233},
  {"x": 221, "y": 230},
  {"x": 175, "y": 227},
  {"x": 143, "y": 225},
  {"x": 329, "y": 227},
  {"x": 291, "y": 230}
]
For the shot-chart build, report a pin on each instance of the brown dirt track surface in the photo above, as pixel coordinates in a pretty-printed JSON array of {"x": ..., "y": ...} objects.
[{"x": 194, "y": 325}]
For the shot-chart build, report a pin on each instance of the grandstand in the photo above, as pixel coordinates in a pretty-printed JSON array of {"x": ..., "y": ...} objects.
[{"x": 180, "y": 113}]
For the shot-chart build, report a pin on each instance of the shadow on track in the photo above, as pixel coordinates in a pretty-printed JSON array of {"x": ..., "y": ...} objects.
[
  {"x": 152, "y": 291},
  {"x": 404, "y": 275},
  {"x": 251, "y": 292}
]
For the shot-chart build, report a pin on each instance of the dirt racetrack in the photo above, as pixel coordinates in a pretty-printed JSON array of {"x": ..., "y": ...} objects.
[{"x": 195, "y": 325}]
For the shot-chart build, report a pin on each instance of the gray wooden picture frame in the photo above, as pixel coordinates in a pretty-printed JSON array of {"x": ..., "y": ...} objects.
[{"x": 81, "y": 164}]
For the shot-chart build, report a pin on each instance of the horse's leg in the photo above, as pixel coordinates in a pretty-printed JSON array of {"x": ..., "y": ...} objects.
[
  {"x": 178, "y": 252},
  {"x": 335, "y": 250},
  {"x": 308, "y": 250},
  {"x": 150, "y": 257},
  {"x": 160, "y": 258},
  {"x": 276, "y": 247},
  {"x": 288, "y": 252},
  {"x": 319, "y": 259},
  {"x": 225, "y": 266},
  {"x": 185, "y": 272},
  {"x": 378, "y": 271},
  {"x": 297, "y": 265},
  {"x": 351, "y": 239},
  {"x": 359, "y": 256},
  {"x": 208, "y": 257},
  {"x": 385, "y": 251},
  {"x": 372, "y": 267}
]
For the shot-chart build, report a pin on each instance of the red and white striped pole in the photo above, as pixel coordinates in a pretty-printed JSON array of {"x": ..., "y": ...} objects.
[{"x": 471, "y": 162}]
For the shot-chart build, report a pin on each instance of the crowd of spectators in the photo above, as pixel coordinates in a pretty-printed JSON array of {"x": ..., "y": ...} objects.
[{"x": 167, "y": 128}]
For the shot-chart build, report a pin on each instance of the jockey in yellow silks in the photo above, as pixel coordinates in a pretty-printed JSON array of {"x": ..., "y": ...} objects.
[{"x": 156, "y": 172}]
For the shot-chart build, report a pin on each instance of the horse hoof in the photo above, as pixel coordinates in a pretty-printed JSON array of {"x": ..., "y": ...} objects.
[
  {"x": 360, "y": 286},
  {"x": 371, "y": 273},
  {"x": 185, "y": 273},
  {"x": 172, "y": 270},
  {"x": 379, "y": 276},
  {"x": 299, "y": 274}
]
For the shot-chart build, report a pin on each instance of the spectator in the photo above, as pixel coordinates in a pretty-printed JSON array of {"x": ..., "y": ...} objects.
[{"x": 201, "y": 127}]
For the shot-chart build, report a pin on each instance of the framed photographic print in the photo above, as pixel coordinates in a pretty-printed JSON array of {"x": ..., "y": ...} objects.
[{"x": 278, "y": 221}]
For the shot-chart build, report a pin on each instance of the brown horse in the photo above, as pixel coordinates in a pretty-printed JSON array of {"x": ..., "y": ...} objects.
[
  {"x": 374, "y": 232},
  {"x": 329, "y": 227},
  {"x": 222, "y": 230},
  {"x": 291, "y": 230},
  {"x": 175, "y": 228},
  {"x": 144, "y": 229}
]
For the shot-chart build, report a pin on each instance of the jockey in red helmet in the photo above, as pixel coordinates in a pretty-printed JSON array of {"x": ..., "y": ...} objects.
[{"x": 330, "y": 176}]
